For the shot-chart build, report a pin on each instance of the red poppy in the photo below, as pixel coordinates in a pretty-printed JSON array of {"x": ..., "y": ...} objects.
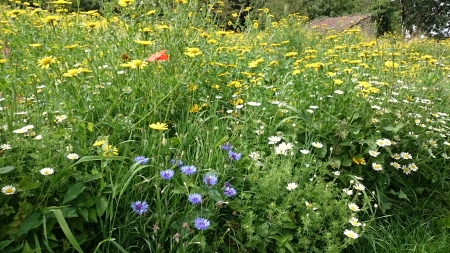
[{"x": 160, "y": 56}]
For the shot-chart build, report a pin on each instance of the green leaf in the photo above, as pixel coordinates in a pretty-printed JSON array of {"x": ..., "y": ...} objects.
[
  {"x": 27, "y": 248},
  {"x": 221, "y": 141},
  {"x": 4, "y": 244},
  {"x": 179, "y": 189},
  {"x": 394, "y": 129},
  {"x": 27, "y": 185},
  {"x": 83, "y": 211},
  {"x": 6, "y": 169},
  {"x": 215, "y": 195},
  {"x": 33, "y": 221},
  {"x": 100, "y": 204},
  {"x": 73, "y": 192},
  {"x": 65, "y": 228},
  {"x": 90, "y": 127},
  {"x": 262, "y": 230},
  {"x": 92, "y": 215},
  {"x": 347, "y": 162}
]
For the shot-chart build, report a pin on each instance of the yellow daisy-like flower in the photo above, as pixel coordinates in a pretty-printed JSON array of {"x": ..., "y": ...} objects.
[
  {"x": 193, "y": 51},
  {"x": 72, "y": 72},
  {"x": 195, "y": 108},
  {"x": 358, "y": 160},
  {"x": 125, "y": 3},
  {"x": 138, "y": 64},
  {"x": 98, "y": 143},
  {"x": 109, "y": 150},
  {"x": 159, "y": 126},
  {"x": 51, "y": 19},
  {"x": 391, "y": 64},
  {"x": 291, "y": 54},
  {"x": 45, "y": 62}
]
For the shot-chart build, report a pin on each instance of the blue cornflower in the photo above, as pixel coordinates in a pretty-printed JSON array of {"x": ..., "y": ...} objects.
[
  {"x": 201, "y": 223},
  {"x": 167, "y": 174},
  {"x": 227, "y": 146},
  {"x": 195, "y": 198},
  {"x": 176, "y": 162},
  {"x": 234, "y": 156},
  {"x": 229, "y": 191},
  {"x": 139, "y": 207},
  {"x": 210, "y": 179},
  {"x": 188, "y": 169},
  {"x": 141, "y": 159},
  {"x": 226, "y": 184}
]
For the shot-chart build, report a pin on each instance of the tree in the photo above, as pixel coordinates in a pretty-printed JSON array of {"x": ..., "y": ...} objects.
[{"x": 430, "y": 17}]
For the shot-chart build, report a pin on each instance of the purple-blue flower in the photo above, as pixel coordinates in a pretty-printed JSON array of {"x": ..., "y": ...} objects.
[
  {"x": 226, "y": 184},
  {"x": 139, "y": 207},
  {"x": 210, "y": 179},
  {"x": 166, "y": 174},
  {"x": 201, "y": 223},
  {"x": 195, "y": 198},
  {"x": 188, "y": 169},
  {"x": 234, "y": 156},
  {"x": 141, "y": 159},
  {"x": 229, "y": 191},
  {"x": 227, "y": 146},
  {"x": 176, "y": 162}
]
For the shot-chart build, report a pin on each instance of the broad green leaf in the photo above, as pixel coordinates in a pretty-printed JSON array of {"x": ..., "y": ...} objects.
[
  {"x": 92, "y": 215},
  {"x": 83, "y": 211},
  {"x": 262, "y": 230},
  {"x": 100, "y": 204},
  {"x": 4, "y": 244},
  {"x": 6, "y": 169},
  {"x": 33, "y": 221},
  {"x": 65, "y": 228},
  {"x": 73, "y": 192},
  {"x": 215, "y": 195}
]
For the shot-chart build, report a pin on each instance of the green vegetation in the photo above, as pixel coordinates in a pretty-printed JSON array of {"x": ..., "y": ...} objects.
[{"x": 151, "y": 128}]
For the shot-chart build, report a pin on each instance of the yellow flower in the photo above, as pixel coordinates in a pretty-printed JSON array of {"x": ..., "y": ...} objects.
[
  {"x": 50, "y": 19},
  {"x": 72, "y": 72},
  {"x": 194, "y": 108},
  {"x": 193, "y": 51},
  {"x": 151, "y": 12},
  {"x": 45, "y": 62},
  {"x": 391, "y": 64},
  {"x": 125, "y": 3},
  {"x": 135, "y": 64},
  {"x": 359, "y": 160},
  {"x": 71, "y": 46},
  {"x": 109, "y": 150},
  {"x": 144, "y": 42},
  {"x": 338, "y": 81},
  {"x": 255, "y": 25},
  {"x": 291, "y": 54},
  {"x": 98, "y": 143},
  {"x": 159, "y": 126},
  {"x": 35, "y": 45}
]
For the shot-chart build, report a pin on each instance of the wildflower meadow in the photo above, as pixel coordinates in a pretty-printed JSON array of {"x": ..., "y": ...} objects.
[{"x": 151, "y": 128}]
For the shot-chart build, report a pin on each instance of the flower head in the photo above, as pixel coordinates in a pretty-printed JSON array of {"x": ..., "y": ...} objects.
[
  {"x": 351, "y": 234},
  {"x": 234, "y": 156},
  {"x": 377, "y": 166},
  {"x": 159, "y": 56},
  {"x": 195, "y": 198},
  {"x": 188, "y": 169},
  {"x": 291, "y": 186},
  {"x": 45, "y": 62},
  {"x": 229, "y": 191},
  {"x": 73, "y": 156},
  {"x": 274, "y": 139},
  {"x": 317, "y": 144},
  {"x": 47, "y": 171},
  {"x": 201, "y": 223},
  {"x": 166, "y": 174},
  {"x": 8, "y": 190},
  {"x": 139, "y": 207},
  {"x": 227, "y": 146},
  {"x": 210, "y": 179},
  {"x": 176, "y": 162},
  {"x": 193, "y": 51},
  {"x": 159, "y": 126},
  {"x": 141, "y": 159},
  {"x": 354, "y": 221},
  {"x": 354, "y": 207}
]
